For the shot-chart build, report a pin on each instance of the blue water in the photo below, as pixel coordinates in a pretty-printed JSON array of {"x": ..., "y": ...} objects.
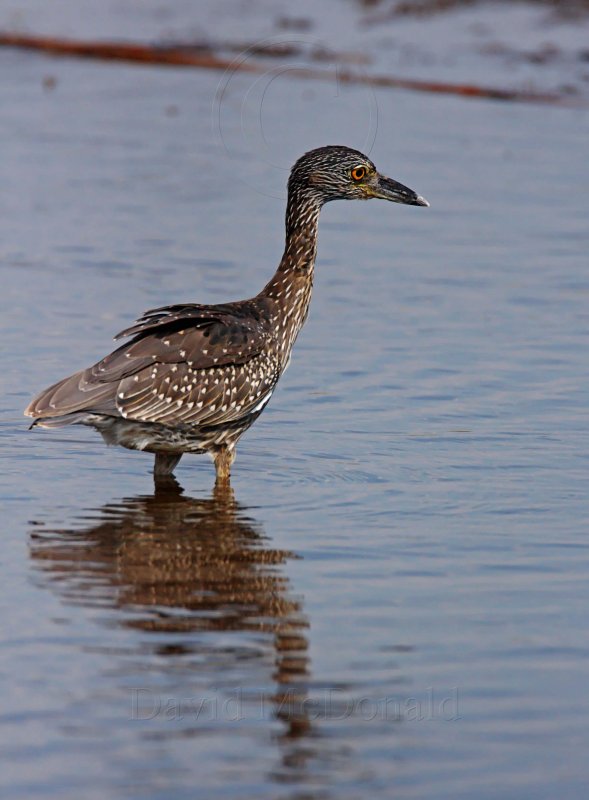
[{"x": 393, "y": 601}]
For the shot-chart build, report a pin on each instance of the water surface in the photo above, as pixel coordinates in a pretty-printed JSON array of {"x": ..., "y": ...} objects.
[{"x": 392, "y": 601}]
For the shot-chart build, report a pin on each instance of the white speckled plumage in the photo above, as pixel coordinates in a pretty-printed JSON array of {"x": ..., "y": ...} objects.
[{"x": 193, "y": 378}]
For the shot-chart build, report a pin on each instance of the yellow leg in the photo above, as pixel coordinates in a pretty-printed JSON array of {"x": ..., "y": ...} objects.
[{"x": 223, "y": 458}]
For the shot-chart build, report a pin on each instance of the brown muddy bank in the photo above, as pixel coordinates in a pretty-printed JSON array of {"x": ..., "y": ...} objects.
[{"x": 205, "y": 56}]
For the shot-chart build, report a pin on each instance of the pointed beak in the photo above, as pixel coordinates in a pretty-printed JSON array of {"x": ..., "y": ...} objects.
[{"x": 388, "y": 189}]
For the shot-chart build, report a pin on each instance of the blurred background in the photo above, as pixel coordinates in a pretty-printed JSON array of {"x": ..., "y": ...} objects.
[{"x": 392, "y": 601}]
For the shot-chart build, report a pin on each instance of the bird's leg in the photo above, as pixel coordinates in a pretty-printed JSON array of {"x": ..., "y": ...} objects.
[
  {"x": 165, "y": 463},
  {"x": 223, "y": 458}
]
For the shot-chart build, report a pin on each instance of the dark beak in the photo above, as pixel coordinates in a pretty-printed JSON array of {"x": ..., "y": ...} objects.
[{"x": 388, "y": 189}]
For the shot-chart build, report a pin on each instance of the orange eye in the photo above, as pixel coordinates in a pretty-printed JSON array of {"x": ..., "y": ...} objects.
[{"x": 358, "y": 173}]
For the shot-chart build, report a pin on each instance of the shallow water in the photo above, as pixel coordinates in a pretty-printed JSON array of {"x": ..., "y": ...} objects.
[{"x": 393, "y": 600}]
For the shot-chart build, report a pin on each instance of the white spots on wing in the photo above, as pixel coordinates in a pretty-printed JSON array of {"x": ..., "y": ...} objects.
[{"x": 222, "y": 393}]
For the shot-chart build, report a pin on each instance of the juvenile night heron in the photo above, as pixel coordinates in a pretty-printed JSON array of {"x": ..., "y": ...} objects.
[{"x": 193, "y": 378}]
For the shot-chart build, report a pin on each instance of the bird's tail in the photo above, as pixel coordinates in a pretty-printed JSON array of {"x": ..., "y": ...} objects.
[
  {"x": 71, "y": 400},
  {"x": 61, "y": 421}
]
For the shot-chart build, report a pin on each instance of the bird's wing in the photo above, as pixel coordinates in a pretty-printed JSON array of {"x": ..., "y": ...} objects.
[
  {"x": 194, "y": 315},
  {"x": 189, "y": 364},
  {"x": 203, "y": 337},
  {"x": 197, "y": 365},
  {"x": 179, "y": 393}
]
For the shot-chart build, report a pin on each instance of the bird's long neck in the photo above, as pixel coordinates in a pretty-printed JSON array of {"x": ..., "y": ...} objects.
[
  {"x": 300, "y": 249},
  {"x": 290, "y": 288}
]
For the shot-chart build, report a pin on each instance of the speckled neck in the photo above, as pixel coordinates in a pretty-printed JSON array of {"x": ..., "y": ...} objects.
[
  {"x": 300, "y": 250},
  {"x": 289, "y": 290}
]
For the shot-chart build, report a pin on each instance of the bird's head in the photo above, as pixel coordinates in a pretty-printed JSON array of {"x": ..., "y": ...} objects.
[{"x": 340, "y": 173}]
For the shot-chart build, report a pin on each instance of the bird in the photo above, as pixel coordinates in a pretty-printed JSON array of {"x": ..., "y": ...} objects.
[{"x": 193, "y": 378}]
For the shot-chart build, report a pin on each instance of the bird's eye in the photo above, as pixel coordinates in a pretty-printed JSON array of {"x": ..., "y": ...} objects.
[{"x": 358, "y": 173}]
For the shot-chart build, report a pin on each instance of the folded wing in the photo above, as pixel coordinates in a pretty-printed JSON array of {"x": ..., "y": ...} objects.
[{"x": 186, "y": 364}]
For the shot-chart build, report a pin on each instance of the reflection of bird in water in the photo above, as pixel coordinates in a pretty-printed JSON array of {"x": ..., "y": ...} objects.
[
  {"x": 193, "y": 378},
  {"x": 187, "y": 570}
]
